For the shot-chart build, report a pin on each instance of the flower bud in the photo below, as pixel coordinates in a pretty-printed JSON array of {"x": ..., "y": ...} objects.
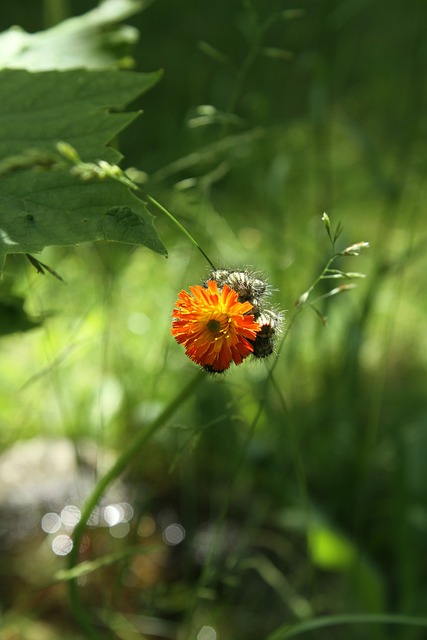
[
  {"x": 271, "y": 324},
  {"x": 248, "y": 286}
]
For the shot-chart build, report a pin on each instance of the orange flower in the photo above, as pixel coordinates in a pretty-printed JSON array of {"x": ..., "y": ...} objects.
[{"x": 214, "y": 327}]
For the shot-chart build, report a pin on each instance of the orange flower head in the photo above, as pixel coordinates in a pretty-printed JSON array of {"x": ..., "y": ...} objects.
[{"x": 213, "y": 326}]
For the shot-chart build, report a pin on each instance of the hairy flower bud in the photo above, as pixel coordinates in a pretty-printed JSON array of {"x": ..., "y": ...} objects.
[
  {"x": 247, "y": 284},
  {"x": 271, "y": 324}
]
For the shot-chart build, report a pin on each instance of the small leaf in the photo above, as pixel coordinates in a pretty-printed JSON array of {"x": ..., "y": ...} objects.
[
  {"x": 337, "y": 273},
  {"x": 354, "y": 249},
  {"x": 355, "y": 274},
  {"x": 340, "y": 289},
  {"x": 41, "y": 267},
  {"x": 333, "y": 276},
  {"x": 327, "y": 223},
  {"x": 338, "y": 232}
]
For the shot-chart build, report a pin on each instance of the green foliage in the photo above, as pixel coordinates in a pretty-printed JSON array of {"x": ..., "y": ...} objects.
[
  {"x": 45, "y": 204},
  {"x": 92, "y": 40}
]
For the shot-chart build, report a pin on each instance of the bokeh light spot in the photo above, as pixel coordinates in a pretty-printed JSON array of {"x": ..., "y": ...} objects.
[
  {"x": 174, "y": 534},
  {"x": 51, "y": 522},
  {"x": 113, "y": 514},
  {"x": 127, "y": 511},
  {"x": 207, "y": 633},
  {"x": 70, "y": 515},
  {"x": 62, "y": 545}
]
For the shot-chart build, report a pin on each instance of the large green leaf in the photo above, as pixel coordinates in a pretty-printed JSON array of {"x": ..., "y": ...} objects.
[
  {"x": 50, "y": 206},
  {"x": 93, "y": 40}
]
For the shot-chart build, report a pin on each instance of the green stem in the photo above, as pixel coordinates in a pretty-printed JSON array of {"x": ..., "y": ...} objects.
[
  {"x": 321, "y": 276},
  {"x": 181, "y": 228},
  {"x": 132, "y": 450}
]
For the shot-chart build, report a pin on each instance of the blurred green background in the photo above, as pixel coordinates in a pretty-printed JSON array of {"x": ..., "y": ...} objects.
[{"x": 264, "y": 502}]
